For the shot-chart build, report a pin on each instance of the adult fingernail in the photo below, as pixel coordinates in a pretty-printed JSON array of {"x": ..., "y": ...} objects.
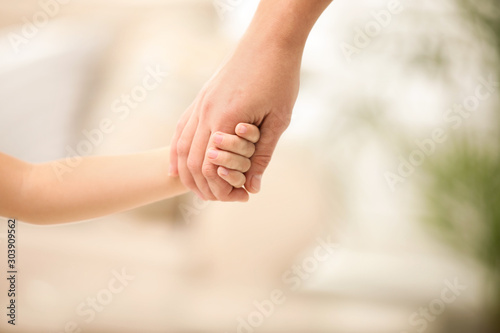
[
  {"x": 218, "y": 138},
  {"x": 242, "y": 129},
  {"x": 223, "y": 171},
  {"x": 256, "y": 182},
  {"x": 212, "y": 154}
]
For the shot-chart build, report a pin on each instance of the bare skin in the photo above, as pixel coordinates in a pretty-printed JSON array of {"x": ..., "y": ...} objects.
[
  {"x": 258, "y": 84},
  {"x": 102, "y": 185}
]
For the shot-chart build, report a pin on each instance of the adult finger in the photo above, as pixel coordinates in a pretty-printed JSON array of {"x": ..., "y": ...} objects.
[
  {"x": 270, "y": 132},
  {"x": 220, "y": 188},
  {"x": 183, "y": 148},
  {"x": 195, "y": 160},
  {"x": 173, "y": 168},
  {"x": 234, "y": 178}
]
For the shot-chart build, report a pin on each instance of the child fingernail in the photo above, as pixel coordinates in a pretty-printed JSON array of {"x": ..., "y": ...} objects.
[
  {"x": 242, "y": 129},
  {"x": 256, "y": 182},
  {"x": 223, "y": 171},
  {"x": 212, "y": 154},
  {"x": 218, "y": 138}
]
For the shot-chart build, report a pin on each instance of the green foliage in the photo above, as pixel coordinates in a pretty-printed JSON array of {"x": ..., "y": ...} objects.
[
  {"x": 462, "y": 183},
  {"x": 462, "y": 193}
]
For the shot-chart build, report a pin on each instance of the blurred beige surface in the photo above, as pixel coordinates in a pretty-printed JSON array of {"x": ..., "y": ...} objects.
[{"x": 202, "y": 270}]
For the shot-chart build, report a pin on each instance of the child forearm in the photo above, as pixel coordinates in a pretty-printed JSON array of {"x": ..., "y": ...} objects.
[{"x": 98, "y": 186}]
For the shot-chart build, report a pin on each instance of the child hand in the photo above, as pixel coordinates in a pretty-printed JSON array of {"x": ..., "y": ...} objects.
[{"x": 233, "y": 152}]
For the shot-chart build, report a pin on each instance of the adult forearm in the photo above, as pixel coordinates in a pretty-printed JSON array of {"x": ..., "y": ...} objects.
[
  {"x": 257, "y": 84},
  {"x": 285, "y": 23}
]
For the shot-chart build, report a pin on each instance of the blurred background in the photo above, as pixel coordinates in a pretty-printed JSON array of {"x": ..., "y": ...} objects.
[{"x": 392, "y": 158}]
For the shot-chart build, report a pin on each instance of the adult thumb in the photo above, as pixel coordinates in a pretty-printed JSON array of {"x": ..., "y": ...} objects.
[{"x": 269, "y": 136}]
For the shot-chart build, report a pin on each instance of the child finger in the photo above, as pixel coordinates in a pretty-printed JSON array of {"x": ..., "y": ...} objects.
[
  {"x": 248, "y": 132},
  {"x": 228, "y": 160},
  {"x": 234, "y": 178},
  {"x": 233, "y": 143}
]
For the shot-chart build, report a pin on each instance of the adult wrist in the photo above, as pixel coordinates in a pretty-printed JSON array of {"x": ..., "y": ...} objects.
[
  {"x": 285, "y": 24},
  {"x": 274, "y": 33}
]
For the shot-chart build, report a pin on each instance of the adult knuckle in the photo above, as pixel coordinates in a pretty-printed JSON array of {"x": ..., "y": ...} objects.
[
  {"x": 283, "y": 120},
  {"x": 225, "y": 198},
  {"x": 193, "y": 164},
  {"x": 261, "y": 160},
  {"x": 276, "y": 127},
  {"x": 221, "y": 193},
  {"x": 208, "y": 171},
  {"x": 180, "y": 126},
  {"x": 182, "y": 148},
  {"x": 208, "y": 106}
]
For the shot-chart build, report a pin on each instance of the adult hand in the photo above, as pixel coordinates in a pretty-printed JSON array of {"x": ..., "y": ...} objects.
[{"x": 257, "y": 85}]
